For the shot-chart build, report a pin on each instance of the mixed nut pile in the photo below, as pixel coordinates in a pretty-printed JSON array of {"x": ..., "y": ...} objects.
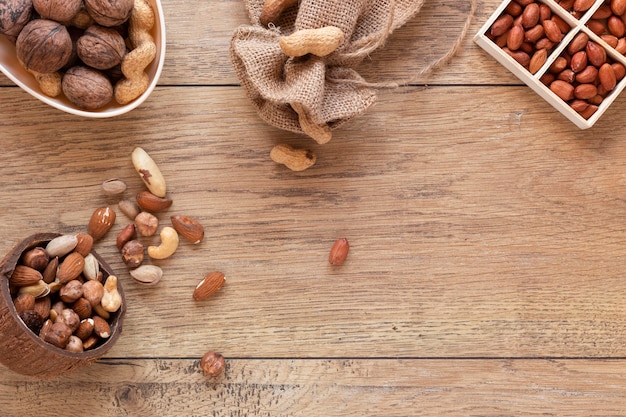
[
  {"x": 92, "y": 51},
  {"x": 584, "y": 73},
  {"x": 61, "y": 293}
]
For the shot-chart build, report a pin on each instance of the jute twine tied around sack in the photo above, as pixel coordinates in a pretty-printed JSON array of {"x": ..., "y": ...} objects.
[{"x": 314, "y": 95}]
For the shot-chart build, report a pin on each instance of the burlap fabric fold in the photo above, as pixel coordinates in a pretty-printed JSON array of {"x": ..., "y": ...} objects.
[{"x": 309, "y": 94}]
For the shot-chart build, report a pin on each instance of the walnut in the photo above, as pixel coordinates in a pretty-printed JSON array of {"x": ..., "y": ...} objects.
[
  {"x": 101, "y": 47},
  {"x": 87, "y": 88},
  {"x": 109, "y": 12},
  {"x": 14, "y": 15},
  {"x": 44, "y": 46},
  {"x": 59, "y": 10}
]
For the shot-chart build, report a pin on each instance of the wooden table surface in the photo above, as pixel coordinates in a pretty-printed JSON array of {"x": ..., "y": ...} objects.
[{"x": 487, "y": 232}]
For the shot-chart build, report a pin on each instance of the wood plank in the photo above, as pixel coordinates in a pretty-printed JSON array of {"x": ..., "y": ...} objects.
[
  {"x": 198, "y": 45},
  {"x": 326, "y": 387},
  {"x": 474, "y": 233}
]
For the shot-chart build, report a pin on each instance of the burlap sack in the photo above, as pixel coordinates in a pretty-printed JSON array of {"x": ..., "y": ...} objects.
[{"x": 314, "y": 95}]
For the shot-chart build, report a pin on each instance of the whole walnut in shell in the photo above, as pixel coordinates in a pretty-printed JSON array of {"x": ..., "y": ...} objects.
[
  {"x": 44, "y": 46},
  {"x": 59, "y": 10},
  {"x": 14, "y": 15},
  {"x": 101, "y": 47},
  {"x": 109, "y": 12},
  {"x": 87, "y": 88}
]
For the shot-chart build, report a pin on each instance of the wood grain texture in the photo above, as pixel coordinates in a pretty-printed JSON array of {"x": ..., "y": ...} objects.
[
  {"x": 334, "y": 388},
  {"x": 485, "y": 275}
]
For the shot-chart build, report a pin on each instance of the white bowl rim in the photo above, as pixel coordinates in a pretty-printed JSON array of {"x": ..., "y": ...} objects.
[{"x": 106, "y": 112}]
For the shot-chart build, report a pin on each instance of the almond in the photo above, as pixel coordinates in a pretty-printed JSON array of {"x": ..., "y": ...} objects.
[
  {"x": 100, "y": 222},
  {"x": 23, "y": 276},
  {"x": 85, "y": 243},
  {"x": 339, "y": 251},
  {"x": 607, "y": 77},
  {"x": 209, "y": 285},
  {"x": 150, "y": 202},
  {"x": 189, "y": 228},
  {"x": 71, "y": 267}
]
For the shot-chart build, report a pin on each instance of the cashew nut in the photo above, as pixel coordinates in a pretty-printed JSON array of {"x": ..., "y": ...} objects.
[
  {"x": 111, "y": 299},
  {"x": 169, "y": 244}
]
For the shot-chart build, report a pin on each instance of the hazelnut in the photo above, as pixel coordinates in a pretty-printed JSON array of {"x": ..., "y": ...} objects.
[
  {"x": 109, "y": 12},
  {"x": 58, "y": 334},
  {"x": 59, "y": 10},
  {"x": 87, "y": 88},
  {"x": 212, "y": 364},
  {"x": 44, "y": 46},
  {"x": 100, "y": 47},
  {"x": 14, "y": 15},
  {"x": 69, "y": 318},
  {"x": 146, "y": 223},
  {"x": 132, "y": 253},
  {"x": 93, "y": 292},
  {"x": 74, "y": 344},
  {"x": 36, "y": 258},
  {"x": 71, "y": 291}
]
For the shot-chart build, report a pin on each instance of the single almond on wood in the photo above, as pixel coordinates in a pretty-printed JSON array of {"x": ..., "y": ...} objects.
[
  {"x": 189, "y": 228},
  {"x": 209, "y": 285}
]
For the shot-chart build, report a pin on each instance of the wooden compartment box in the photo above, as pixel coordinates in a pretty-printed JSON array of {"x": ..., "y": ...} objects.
[{"x": 514, "y": 34}]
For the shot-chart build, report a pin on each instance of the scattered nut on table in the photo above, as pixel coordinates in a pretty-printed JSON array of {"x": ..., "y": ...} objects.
[{"x": 212, "y": 364}]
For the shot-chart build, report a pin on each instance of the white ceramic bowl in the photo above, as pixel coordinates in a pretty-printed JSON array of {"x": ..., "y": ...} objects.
[{"x": 11, "y": 67}]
